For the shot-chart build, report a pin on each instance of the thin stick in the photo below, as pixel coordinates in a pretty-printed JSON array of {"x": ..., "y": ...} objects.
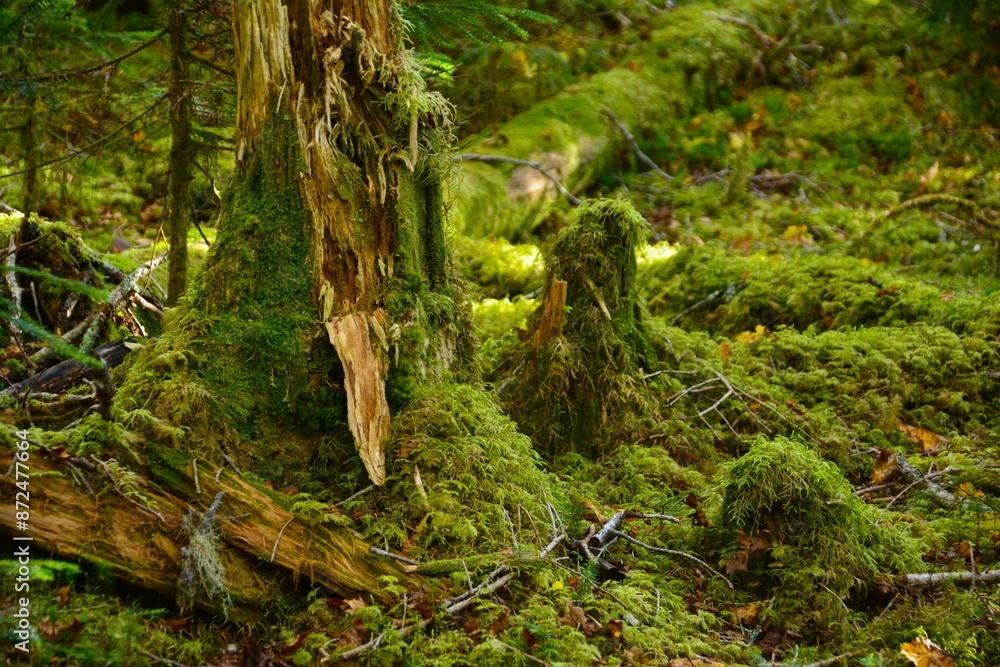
[
  {"x": 478, "y": 157},
  {"x": 389, "y": 554},
  {"x": 635, "y": 145},
  {"x": 277, "y": 541},
  {"x": 367, "y": 489},
  {"x": 197, "y": 485},
  {"x": 671, "y": 552}
]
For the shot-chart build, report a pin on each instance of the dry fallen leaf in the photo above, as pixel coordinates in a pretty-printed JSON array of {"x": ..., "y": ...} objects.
[
  {"x": 922, "y": 652},
  {"x": 885, "y": 467},
  {"x": 63, "y": 632},
  {"x": 62, "y": 596},
  {"x": 748, "y": 614},
  {"x": 355, "y": 604},
  {"x": 930, "y": 442}
]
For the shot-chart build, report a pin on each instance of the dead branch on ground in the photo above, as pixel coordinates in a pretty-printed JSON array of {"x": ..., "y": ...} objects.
[{"x": 479, "y": 157}]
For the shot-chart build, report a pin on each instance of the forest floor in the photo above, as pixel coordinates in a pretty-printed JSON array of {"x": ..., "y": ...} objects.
[{"x": 797, "y": 412}]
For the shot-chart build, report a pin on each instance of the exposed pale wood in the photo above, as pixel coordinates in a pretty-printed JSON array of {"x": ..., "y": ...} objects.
[
  {"x": 550, "y": 324},
  {"x": 140, "y": 548},
  {"x": 367, "y": 408},
  {"x": 965, "y": 578}
]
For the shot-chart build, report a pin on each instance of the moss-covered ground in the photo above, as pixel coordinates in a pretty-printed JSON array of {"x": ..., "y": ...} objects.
[{"x": 745, "y": 347}]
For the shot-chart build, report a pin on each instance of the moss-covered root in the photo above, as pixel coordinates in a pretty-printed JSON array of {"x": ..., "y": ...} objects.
[{"x": 581, "y": 358}]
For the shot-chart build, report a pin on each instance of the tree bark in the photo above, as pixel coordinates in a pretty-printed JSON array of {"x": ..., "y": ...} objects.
[
  {"x": 141, "y": 541},
  {"x": 329, "y": 270},
  {"x": 328, "y": 85},
  {"x": 181, "y": 154}
]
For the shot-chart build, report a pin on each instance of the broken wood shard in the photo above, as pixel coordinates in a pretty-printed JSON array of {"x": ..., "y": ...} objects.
[
  {"x": 550, "y": 324},
  {"x": 367, "y": 408}
]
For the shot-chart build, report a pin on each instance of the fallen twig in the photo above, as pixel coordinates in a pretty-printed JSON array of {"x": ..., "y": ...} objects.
[
  {"x": 355, "y": 496},
  {"x": 495, "y": 580},
  {"x": 277, "y": 540},
  {"x": 389, "y": 554},
  {"x": 635, "y": 144},
  {"x": 915, "y": 477},
  {"x": 671, "y": 552},
  {"x": 961, "y": 578},
  {"x": 479, "y": 157}
]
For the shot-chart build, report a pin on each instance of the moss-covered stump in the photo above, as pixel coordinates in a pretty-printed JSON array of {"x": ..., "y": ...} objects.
[
  {"x": 797, "y": 528},
  {"x": 581, "y": 359},
  {"x": 461, "y": 475}
]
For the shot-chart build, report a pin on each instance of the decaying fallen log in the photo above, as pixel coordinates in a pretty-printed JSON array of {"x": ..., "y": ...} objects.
[
  {"x": 143, "y": 546},
  {"x": 67, "y": 374},
  {"x": 510, "y": 186}
]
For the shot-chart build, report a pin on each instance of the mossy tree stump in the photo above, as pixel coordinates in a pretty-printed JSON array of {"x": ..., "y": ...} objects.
[{"x": 579, "y": 364}]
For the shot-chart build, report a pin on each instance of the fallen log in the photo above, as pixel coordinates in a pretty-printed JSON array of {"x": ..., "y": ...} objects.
[
  {"x": 67, "y": 374},
  {"x": 965, "y": 578},
  {"x": 566, "y": 140},
  {"x": 144, "y": 548}
]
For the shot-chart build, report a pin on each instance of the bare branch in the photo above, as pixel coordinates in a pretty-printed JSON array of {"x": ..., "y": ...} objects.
[{"x": 479, "y": 157}]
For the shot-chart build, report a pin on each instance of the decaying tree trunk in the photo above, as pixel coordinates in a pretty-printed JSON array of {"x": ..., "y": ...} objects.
[
  {"x": 325, "y": 301},
  {"x": 330, "y": 83},
  {"x": 140, "y": 541}
]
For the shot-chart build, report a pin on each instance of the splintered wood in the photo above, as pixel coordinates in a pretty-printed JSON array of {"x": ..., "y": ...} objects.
[
  {"x": 367, "y": 408},
  {"x": 550, "y": 323}
]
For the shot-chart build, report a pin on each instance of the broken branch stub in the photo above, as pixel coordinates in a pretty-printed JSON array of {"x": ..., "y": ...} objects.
[{"x": 364, "y": 380}]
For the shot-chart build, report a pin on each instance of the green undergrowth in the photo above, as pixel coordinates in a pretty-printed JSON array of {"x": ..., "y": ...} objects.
[
  {"x": 477, "y": 474},
  {"x": 79, "y": 619},
  {"x": 825, "y": 543}
]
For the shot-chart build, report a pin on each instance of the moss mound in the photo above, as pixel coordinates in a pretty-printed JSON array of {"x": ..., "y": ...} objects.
[
  {"x": 462, "y": 478},
  {"x": 804, "y": 533}
]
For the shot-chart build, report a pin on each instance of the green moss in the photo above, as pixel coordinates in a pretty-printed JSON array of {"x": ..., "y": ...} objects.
[
  {"x": 710, "y": 289},
  {"x": 473, "y": 465},
  {"x": 237, "y": 370},
  {"x": 498, "y": 267},
  {"x": 824, "y": 541}
]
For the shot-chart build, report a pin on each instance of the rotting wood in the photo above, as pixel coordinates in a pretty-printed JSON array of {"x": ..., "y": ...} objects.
[
  {"x": 14, "y": 288},
  {"x": 550, "y": 323},
  {"x": 69, "y": 373},
  {"x": 140, "y": 548},
  {"x": 367, "y": 408}
]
